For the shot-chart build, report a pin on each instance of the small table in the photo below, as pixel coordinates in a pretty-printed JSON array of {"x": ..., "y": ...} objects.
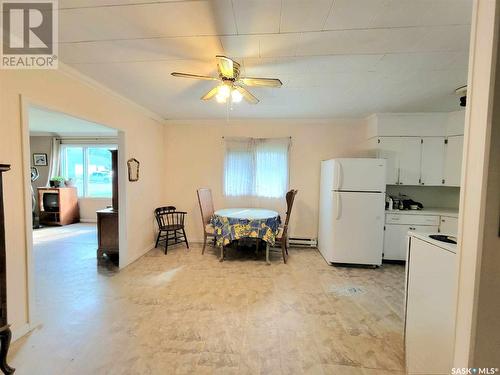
[{"x": 235, "y": 223}]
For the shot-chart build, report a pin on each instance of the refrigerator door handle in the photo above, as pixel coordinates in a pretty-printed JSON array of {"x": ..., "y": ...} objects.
[
  {"x": 340, "y": 176},
  {"x": 338, "y": 208},
  {"x": 336, "y": 170}
]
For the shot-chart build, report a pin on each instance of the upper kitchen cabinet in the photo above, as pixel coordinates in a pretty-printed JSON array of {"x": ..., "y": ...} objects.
[
  {"x": 409, "y": 161},
  {"x": 404, "y": 160},
  {"x": 453, "y": 161},
  {"x": 420, "y": 148},
  {"x": 389, "y": 148},
  {"x": 433, "y": 156}
]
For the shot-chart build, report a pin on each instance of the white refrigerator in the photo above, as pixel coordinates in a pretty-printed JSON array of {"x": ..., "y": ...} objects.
[{"x": 351, "y": 211}]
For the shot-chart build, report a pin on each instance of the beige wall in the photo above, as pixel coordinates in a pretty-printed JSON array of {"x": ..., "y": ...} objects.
[
  {"x": 195, "y": 157},
  {"x": 41, "y": 145},
  {"x": 143, "y": 139},
  {"x": 89, "y": 206}
]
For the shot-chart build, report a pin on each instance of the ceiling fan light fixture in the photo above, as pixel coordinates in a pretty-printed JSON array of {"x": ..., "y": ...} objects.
[
  {"x": 224, "y": 90},
  {"x": 220, "y": 98},
  {"x": 236, "y": 96},
  {"x": 231, "y": 85}
]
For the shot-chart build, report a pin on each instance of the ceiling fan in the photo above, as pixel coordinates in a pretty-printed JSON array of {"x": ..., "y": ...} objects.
[{"x": 231, "y": 84}]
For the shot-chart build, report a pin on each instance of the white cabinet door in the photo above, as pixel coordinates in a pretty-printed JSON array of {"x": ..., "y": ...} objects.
[
  {"x": 453, "y": 161},
  {"x": 395, "y": 239},
  {"x": 395, "y": 242},
  {"x": 432, "y": 168},
  {"x": 409, "y": 160},
  {"x": 448, "y": 225},
  {"x": 389, "y": 148}
]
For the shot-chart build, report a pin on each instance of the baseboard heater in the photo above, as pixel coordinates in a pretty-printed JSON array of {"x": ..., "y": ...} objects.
[{"x": 302, "y": 242}]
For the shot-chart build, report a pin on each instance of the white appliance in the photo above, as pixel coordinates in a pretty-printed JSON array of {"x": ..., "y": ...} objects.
[
  {"x": 431, "y": 298},
  {"x": 351, "y": 211}
]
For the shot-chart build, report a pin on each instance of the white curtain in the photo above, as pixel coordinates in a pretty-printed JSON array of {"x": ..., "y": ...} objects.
[
  {"x": 55, "y": 159},
  {"x": 256, "y": 167},
  {"x": 238, "y": 167}
]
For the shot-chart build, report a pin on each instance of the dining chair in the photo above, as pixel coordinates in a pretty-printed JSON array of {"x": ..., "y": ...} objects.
[
  {"x": 282, "y": 236},
  {"x": 207, "y": 211},
  {"x": 170, "y": 226}
]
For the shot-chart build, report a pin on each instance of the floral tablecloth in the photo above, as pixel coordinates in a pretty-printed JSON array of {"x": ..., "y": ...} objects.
[{"x": 230, "y": 228}]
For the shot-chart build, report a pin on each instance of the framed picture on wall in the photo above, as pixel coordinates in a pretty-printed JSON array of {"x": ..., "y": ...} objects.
[{"x": 40, "y": 160}]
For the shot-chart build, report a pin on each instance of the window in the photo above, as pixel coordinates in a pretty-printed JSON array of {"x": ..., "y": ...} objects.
[
  {"x": 89, "y": 166},
  {"x": 256, "y": 167}
]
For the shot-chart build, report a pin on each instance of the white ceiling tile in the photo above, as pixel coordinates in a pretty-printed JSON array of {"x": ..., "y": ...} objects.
[
  {"x": 145, "y": 21},
  {"x": 65, "y": 4},
  {"x": 257, "y": 16},
  {"x": 399, "y": 13},
  {"x": 366, "y": 41},
  {"x": 196, "y": 48},
  {"x": 445, "y": 38},
  {"x": 416, "y": 61},
  {"x": 241, "y": 45},
  {"x": 276, "y": 45},
  {"x": 353, "y": 14},
  {"x": 311, "y": 64},
  {"x": 304, "y": 15}
]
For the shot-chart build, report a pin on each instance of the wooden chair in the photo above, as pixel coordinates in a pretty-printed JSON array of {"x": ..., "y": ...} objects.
[
  {"x": 207, "y": 211},
  {"x": 282, "y": 237},
  {"x": 170, "y": 226}
]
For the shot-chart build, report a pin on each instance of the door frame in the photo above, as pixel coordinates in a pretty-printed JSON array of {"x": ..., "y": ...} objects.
[{"x": 25, "y": 103}]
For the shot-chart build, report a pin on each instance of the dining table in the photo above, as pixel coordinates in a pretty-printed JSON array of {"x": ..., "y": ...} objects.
[{"x": 236, "y": 223}]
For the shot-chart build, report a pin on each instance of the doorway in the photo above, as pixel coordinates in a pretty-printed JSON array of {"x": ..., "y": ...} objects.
[{"x": 70, "y": 179}]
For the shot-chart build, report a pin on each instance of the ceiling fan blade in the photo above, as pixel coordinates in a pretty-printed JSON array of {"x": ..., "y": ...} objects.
[
  {"x": 247, "y": 95},
  {"x": 262, "y": 82},
  {"x": 194, "y": 76},
  {"x": 209, "y": 95},
  {"x": 227, "y": 68}
]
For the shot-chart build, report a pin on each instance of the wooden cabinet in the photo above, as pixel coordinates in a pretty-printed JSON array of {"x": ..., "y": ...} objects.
[
  {"x": 107, "y": 232},
  {"x": 432, "y": 166},
  {"x": 5, "y": 332},
  {"x": 63, "y": 209},
  {"x": 453, "y": 160},
  {"x": 107, "y": 220}
]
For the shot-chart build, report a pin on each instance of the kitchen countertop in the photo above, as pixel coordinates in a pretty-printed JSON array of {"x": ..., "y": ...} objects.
[
  {"x": 425, "y": 237},
  {"x": 453, "y": 212}
]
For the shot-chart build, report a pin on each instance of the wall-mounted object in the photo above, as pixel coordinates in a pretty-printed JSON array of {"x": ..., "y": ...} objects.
[
  {"x": 133, "y": 169},
  {"x": 40, "y": 160}
]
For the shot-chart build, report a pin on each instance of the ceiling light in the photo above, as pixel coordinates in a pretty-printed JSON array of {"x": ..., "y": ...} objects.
[
  {"x": 220, "y": 98},
  {"x": 224, "y": 91},
  {"x": 236, "y": 96}
]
